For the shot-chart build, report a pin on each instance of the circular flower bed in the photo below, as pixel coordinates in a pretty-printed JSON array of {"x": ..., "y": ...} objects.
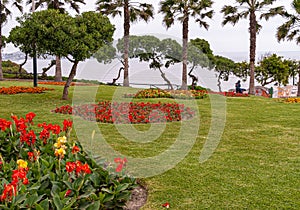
[
  {"x": 139, "y": 112},
  {"x": 159, "y": 93},
  {"x": 19, "y": 89},
  {"x": 47, "y": 170}
]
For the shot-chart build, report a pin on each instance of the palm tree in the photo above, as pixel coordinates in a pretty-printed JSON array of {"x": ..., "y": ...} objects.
[
  {"x": 131, "y": 11},
  {"x": 249, "y": 9},
  {"x": 290, "y": 30},
  {"x": 4, "y": 14},
  {"x": 59, "y": 5},
  {"x": 182, "y": 10}
]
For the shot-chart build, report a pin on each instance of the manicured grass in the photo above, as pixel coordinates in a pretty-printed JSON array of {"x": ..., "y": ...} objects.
[{"x": 255, "y": 166}]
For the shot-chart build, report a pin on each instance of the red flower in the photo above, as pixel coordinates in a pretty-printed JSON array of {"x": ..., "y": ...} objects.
[
  {"x": 4, "y": 124},
  {"x": 75, "y": 149},
  {"x": 122, "y": 163},
  {"x": 68, "y": 192},
  {"x": 70, "y": 166},
  {"x": 86, "y": 169},
  {"x": 67, "y": 124},
  {"x": 25, "y": 181},
  {"x": 166, "y": 205},
  {"x": 30, "y": 117}
]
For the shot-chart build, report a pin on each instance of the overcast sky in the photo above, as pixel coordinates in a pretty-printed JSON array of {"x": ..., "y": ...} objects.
[{"x": 221, "y": 39}]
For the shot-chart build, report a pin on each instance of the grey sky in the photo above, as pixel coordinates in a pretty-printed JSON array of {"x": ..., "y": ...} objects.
[{"x": 221, "y": 39}]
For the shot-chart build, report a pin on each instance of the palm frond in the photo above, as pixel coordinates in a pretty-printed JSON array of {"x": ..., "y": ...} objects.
[
  {"x": 229, "y": 10},
  {"x": 296, "y": 6},
  {"x": 202, "y": 23},
  {"x": 273, "y": 12}
]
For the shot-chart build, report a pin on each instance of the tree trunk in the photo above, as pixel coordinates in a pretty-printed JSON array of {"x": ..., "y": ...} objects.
[
  {"x": 298, "y": 93},
  {"x": 185, "y": 31},
  {"x": 115, "y": 79},
  {"x": 253, "y": 31},
  {"x": 194, "y": 78},
  {"x": 52, "y": 63},
  {"x": 219, "y": 83},
  {"x": 163, "y": 75},
  {"x": 58, "y": 74},
  {"x": 1, "y": 71},
  {"x": 126, "y": 42},
  {"x": 22, "y": 64},
  {"x": 69, "y": 80}
]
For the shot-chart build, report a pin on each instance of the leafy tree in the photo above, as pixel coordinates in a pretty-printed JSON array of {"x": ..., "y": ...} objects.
[
  {"x": 60, "y": 34},
  {"x": 58, "y": 5},
  {"x": 159, "y": 53},
  {"x": 249, "y": 9},
  {"x": 199, "y": 54},
  {"x": 132, "y": 11},
  {"x": 224, "y": 67},
  {"x": 273, "y": 68},
  {"x": 182, "y": 10},
  {"x": 5, "y": 12}
]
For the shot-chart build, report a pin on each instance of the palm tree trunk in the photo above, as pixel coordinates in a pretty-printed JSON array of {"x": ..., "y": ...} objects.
[
  {"x": 185, "y": 31},
  {"x": 58, "y": 74},
  {"x": 253, "y": 32},
  {"x": 126, "y": 42},
  {"x": 1, "y": 71},
  {"x": 70, "y": 79},
  {"x": 298, "y": 93}
]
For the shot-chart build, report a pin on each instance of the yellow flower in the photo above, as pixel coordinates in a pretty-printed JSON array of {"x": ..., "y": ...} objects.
[
  {"x": 60, "y": 152},
  {"x": 62, "y": 140},
  {"x": 22, "y": 164},
  {"x": 57, "y": 145}
]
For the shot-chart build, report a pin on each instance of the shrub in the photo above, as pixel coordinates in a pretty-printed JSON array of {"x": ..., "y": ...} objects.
[{"x": 47, "y": 170}]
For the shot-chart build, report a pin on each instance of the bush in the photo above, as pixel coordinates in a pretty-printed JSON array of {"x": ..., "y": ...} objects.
[{"x": 47, "y": 170}]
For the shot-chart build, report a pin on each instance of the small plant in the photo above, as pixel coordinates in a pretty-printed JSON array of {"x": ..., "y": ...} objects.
[{"x": 47, "y": 170}]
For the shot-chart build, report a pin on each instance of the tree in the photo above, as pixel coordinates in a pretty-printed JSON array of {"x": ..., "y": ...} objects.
[
  {"x": 249, "y": 9},
  {"x": 290, "y": 30},
  {"x": 132, "y": 11},
  {"x": 273, "y": 69},
  {"x": 58, "y": 5},
  {"x": 5, "y": 12},
  {"x": 224, "y": 67},
  {"x": 159, "y": 53},
  {"x": 199, "y": 54},
  {"x": 60, "y": 34},
  {"x": 182, "y": 10}
]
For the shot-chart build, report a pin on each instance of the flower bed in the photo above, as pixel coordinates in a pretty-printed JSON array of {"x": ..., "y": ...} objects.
[
  {"x": 19, "y": 89},
  {"x": 55, "y": 83},
  {"x": 233, "y": 94},
  {"x": 292, "y": 100},
  {"x": 159, "y": 93},
  {"x": 107, "y": 112},
  {"x": 47, "y": 170}
]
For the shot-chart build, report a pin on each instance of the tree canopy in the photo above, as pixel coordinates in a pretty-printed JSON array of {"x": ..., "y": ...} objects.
[{"x": 75, "y": 38}]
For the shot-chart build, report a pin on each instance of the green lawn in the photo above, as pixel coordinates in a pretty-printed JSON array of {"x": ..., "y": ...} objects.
[{"x": 255, "y": 166}]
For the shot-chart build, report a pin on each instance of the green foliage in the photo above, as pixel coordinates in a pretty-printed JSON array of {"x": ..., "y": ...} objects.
[
  {"x": 273, "y": 68},
  {"x": 11, "y": 67},
  {"x": 289, "y": 30}
]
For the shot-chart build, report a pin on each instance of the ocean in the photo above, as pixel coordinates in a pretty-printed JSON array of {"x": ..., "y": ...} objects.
[{"x": 141, "y": 76}]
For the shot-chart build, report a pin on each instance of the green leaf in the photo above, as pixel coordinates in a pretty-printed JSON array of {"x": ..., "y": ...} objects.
[
  {"x": 93, "y": 206},
  {"x": 108, "y": 198},
  {"x": 122, "y": 187},
  {"x": 57, "y": 202},
  {"x": 45, "y": 204}
]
